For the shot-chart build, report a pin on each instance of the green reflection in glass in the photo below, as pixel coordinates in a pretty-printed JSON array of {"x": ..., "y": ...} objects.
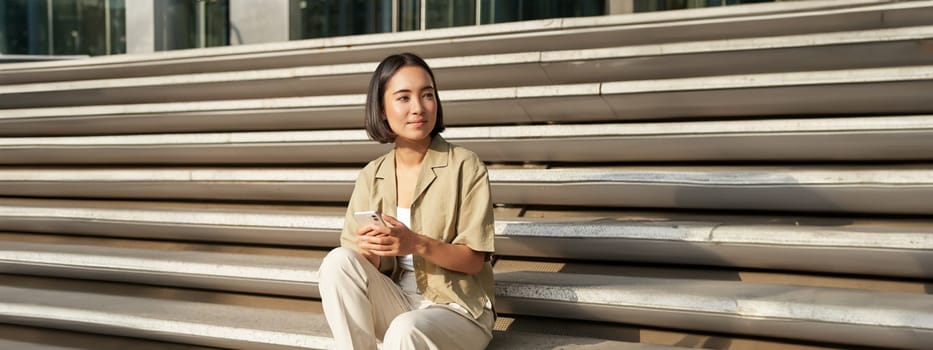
[
  {"x": 68, "y": 27},
  {"x": 24, "y": 27},
  {"x": 498, "y": 11},
  {"x": 327, "y": 18},
  {"x": 409, "y": 15},
  {"x": 117, "y": 27},
  {"x": 185, "y": 24},
  {"x": 664, "y": 5},
  {"x": 450, "y": 13}
]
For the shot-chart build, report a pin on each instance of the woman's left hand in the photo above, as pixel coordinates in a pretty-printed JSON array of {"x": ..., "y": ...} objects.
[{"x": 398, "y": 241}]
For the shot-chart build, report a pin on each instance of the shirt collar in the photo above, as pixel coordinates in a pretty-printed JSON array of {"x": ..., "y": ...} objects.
[{"x": 436, "y": 157}]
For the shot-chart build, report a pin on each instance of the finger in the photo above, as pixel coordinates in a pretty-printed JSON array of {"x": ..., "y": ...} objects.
[
  {"x": 385, "y": 252},
  {"x": 362, "y": 243},
  {"x": 374, "y": 231},
  {"x": 380, "y": 231},
  {"x": 392, "y": 221},
  {"x": 376, "y": 243},
  {"x": 364, "y": 230}
]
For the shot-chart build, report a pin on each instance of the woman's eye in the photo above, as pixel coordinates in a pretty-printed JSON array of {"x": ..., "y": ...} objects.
[
  {"x": 428, "y": 95},
  {"x": 403, "y": 99}
]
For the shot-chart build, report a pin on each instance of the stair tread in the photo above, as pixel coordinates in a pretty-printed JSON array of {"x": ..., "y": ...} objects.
[
  {"x": 896, "y": 189},
  {"x": 836, "y": 315},
  {"x": 204, "y": 318},
  {"x": 162, "y": 313},
  {"x": 744, "y": 83},
  {"x": 860, "y": 246},
  {"x": 843, "y": 138},
  {"x": 357, "y": 74},
  {"x": 744, "y": 299},
  {"x": 838, "y": 305},
  {"x": 32, "y": 338}
]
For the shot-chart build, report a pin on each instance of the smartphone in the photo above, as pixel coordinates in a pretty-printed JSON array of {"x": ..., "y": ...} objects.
[{"x": 369, "y": 217}]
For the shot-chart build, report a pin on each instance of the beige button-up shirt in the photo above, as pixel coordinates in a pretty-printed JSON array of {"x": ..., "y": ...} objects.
[{"x": 452, "y": 203}]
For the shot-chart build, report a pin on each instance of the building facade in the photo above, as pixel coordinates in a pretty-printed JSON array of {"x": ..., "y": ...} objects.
[{"x": 106, "y": 27}]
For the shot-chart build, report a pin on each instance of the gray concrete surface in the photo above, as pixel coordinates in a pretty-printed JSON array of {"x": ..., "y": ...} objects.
[
  {"x": 231, "y": 268},
  {"x": 198, "y": 318},
  {"x": 889, "y": 90},
  {"x": 202, "y": 318},
  {"x": 845, "y": 189},
  {"x": 31, "y": 338},
  {"x": 888, "y": 138},
  {"x": 856, "y": 246},
  {"x": 860, "y": 49},
  {"x": 820, "y": 314}
]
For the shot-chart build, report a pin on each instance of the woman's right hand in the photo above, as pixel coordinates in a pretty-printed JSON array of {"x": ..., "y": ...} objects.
[{"x": 362, "y": 242}]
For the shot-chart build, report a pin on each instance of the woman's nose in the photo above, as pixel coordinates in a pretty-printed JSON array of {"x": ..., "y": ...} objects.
[{"x": 415, "y": 107}]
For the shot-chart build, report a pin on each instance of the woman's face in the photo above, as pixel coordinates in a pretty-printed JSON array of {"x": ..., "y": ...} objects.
[{"x": 409, "y": 104}]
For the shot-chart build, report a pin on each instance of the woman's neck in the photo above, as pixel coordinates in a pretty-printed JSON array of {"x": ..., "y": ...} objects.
[{"x": 411, "y": 154}]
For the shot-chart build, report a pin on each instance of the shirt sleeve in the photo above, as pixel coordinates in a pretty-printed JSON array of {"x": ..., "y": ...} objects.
[
  {"x": 359, "y": 201},
  {"x": 475, "y": 224}
]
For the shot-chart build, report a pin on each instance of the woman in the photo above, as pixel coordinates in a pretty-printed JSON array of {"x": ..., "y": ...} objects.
[{"x": 424, "y": 280}]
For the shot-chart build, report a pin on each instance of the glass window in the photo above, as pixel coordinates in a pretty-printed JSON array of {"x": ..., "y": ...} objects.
[
  {"x": 216, "y": 17},
  {"x": 327, "y": 18},
  {"x": 77, "y": 25},
  {"x": 185, "y": 24},
  {"x": 409, "y": 15},
  {"x": 450, "y": 13},
  {"x": 117, "y": 24},
  {"x": 663, "y": 5},
  {"x": 24, "y": 27},
  {"x": 62, "y": 27},
  {"x": 498, "y": 11}
]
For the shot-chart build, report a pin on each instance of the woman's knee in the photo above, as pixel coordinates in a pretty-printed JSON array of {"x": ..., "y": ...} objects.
[
  {"x": 406, "y": 328},
  {"x": 405, "y": 322},
  {"x": 435, "y": 327},
  {"x": 337, "y": 262}
]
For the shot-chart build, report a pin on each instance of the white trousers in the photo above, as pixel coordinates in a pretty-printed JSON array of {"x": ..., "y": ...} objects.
[{"x": 363, "y": 306}]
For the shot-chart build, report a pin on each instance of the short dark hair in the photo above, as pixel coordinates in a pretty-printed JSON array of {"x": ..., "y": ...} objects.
[{"x": 378, "y": 127}]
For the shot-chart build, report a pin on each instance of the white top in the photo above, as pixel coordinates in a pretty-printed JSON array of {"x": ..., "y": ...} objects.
[{"x": 404, "y": 215}]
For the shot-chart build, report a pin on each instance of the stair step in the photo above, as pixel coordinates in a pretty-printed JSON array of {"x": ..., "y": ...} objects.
[
  {"x": 520, "y": 333},
  {"x": 208, "y": 319},
  {"x": 889, "y": 90},
  {"x": 895, "y": 189},
  {"x": 884, "y": 319},
  {"x": 901, "y": 46},
  {"x": 268, "y": 224},
  {"x": 520, "y": 340},
  {"x": 812, "y": 139},
  {"x": 30, "y": 338},
  {"x": 232, "y": 320},
  {"x": 164, "y": 314},
  {"x": 566, "y": 33},
  {"x": 293, "y": 272},
  {"x": 857, "y": 246},
  {"x": 289, "y": 272},
  {"x": 508, "y": 326}
]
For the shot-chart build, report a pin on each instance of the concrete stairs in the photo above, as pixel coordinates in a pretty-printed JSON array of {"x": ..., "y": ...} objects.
[{"x": 748, "y": 177}]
